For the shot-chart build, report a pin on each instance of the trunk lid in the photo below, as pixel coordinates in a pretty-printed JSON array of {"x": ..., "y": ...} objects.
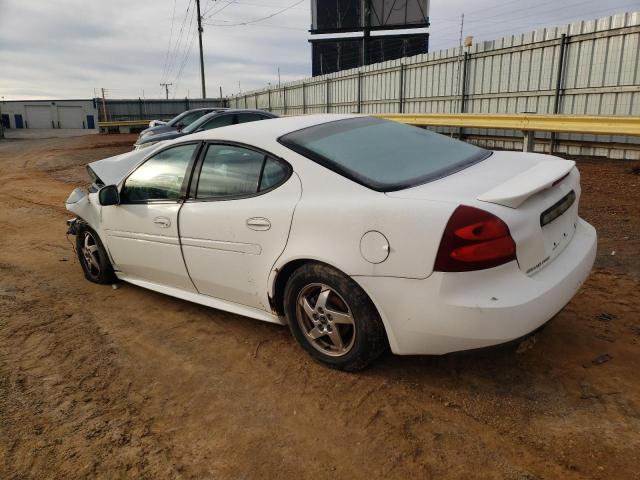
[{"x": 531, "y": 193}]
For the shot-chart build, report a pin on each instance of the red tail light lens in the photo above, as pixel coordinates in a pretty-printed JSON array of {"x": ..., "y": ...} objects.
[{"x": 474, "y": 240}]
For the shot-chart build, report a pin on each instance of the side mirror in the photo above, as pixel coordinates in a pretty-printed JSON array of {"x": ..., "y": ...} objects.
[{"x": 109, "y": 196}]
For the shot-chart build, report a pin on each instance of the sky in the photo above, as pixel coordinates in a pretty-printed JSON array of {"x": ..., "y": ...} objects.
[{"x": 54, "y": 49}]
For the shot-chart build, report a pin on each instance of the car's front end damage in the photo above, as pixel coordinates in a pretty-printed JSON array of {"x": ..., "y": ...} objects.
[{"x": 83, "y": 202}]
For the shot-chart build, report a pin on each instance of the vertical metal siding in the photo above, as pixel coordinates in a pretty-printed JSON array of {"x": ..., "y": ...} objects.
[{"x": 514, "y": 74}]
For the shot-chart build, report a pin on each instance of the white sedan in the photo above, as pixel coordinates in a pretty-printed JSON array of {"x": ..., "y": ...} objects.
[{"x": 359, "y": 233}]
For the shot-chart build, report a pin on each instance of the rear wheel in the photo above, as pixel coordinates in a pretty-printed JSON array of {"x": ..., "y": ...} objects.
[
  {"x": 93, "y": 257},
  {"x": 333, "y": 319}
]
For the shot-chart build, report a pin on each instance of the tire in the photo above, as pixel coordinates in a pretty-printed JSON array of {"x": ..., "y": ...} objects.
[
  {"x": 333, "y": 319},
  {"x": 93, "y": 257}
]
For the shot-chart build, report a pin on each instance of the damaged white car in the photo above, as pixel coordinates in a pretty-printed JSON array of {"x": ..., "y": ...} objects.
[{"x": 359, "y": 233}]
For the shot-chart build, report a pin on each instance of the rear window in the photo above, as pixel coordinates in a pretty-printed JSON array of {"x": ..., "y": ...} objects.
[{"x": 382, "y": 154}]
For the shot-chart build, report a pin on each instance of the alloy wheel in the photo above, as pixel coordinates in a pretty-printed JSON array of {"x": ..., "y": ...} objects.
[
  {"x": 90, "y": 254},
  {"x": 326, "y": 320}
]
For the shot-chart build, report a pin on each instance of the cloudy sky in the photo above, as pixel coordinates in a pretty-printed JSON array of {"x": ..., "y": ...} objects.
[{"x": 73, "y": 48}]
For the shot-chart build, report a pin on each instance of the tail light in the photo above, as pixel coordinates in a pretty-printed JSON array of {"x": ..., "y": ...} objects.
[{"x": 474, "y": 240}]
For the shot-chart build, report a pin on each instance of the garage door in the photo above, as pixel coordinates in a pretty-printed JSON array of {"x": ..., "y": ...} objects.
[
  {"x": 70, "y": 117},
  {"x": 38, "y": 116}
]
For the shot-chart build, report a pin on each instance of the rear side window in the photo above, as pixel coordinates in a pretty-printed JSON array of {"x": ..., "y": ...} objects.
[
  {"x": 382, "y": 154},
  {"x": 273, "y": 174},
  {"x": 232, "y": 171},
  {"x": 159, "y": 178}
]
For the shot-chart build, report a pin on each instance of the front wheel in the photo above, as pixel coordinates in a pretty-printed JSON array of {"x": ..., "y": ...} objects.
[
  {"x": 333, "y": 319},
  {"x": 93, "y": 257}
]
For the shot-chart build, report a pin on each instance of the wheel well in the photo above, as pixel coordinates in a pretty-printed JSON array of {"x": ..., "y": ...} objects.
[
  {"x": 282, "y": 277},
  {"x": 277, "y": 302}
]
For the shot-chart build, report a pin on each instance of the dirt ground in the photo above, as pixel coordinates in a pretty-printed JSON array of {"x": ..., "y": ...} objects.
[{"x": 97, "y": 382}]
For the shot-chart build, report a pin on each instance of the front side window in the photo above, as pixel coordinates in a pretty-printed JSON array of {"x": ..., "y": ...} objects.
[
  {"x": 231, "y": 171},
  {"x": 382, "y": 154},
  {"x": 160, "y": 177}
]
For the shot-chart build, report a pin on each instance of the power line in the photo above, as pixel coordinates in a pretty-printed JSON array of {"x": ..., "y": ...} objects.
[
  {"x": 229, "y": 2},
  {"x": 174, "y": 56},
  {"x": 166, "y": 56},
  {"x": 183, "y": 63},
  {"x": 258, "y": 25},
  {"x": 256, "y": 20}
]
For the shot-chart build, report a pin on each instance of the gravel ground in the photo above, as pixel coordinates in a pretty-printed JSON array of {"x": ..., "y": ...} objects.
[{"x": 96, "y": 382}]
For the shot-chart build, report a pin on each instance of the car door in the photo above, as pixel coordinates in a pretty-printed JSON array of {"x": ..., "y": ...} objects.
[
  {"x": 236, "y": 222},
  {"x": 141, "y": 233}
]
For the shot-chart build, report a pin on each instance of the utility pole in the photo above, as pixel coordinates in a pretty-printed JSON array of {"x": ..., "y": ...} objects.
[
  {"x": 204, "y": 90},
  {"x": 166, "y": 88},
  {"x": 104, "y": 107}
]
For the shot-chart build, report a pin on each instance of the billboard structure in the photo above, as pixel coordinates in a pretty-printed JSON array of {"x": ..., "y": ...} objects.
[
  {"x": 336, "y": 54},
  {"x": 340, "y": 16}
]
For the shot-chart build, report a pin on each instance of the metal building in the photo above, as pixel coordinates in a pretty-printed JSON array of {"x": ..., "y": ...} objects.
[{"x": 49, "y": 114}]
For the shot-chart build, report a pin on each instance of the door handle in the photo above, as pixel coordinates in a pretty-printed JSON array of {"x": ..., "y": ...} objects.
[
  {"x": 258, "y": 223},
  {"x": 163, "y": 222}
]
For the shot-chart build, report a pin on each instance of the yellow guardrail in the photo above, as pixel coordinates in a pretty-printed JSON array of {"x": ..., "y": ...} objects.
[
  {"x": 596, "y": 125},
  {"x": 123, "y": 123}
]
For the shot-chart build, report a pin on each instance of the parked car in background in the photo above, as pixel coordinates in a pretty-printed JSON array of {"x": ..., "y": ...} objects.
[
  {"x": 179, "y": 121},
  {"x": 361, "y": 234},
  {"x": 206, "y": 122},
  {"x": 156, "y": 123}
]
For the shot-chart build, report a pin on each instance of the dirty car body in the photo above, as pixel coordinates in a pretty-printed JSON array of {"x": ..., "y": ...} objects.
[{"x": 449, "y": 246}]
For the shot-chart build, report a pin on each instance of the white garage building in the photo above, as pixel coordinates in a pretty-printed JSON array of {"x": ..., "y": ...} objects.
[{"x": 49, "y": 114}]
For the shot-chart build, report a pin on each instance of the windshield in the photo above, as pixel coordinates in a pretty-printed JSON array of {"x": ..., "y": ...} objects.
[
  {"x": 187, "y": 118},
  {"x": 192, "y": 127},
  {"x": 382, "y": 154}
]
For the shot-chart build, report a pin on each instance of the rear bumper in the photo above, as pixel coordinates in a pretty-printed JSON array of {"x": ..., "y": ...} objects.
[{"x": 449, "y": 312}]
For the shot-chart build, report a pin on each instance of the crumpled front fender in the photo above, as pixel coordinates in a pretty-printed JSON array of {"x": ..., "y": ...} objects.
[{"x": 85, "y": 205}]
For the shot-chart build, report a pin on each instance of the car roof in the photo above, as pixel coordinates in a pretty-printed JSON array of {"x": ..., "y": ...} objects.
[
  {"x": 269, "y": 129},
  {"x": 205, "y": 108},
  {"x": 240, "y": 110}
]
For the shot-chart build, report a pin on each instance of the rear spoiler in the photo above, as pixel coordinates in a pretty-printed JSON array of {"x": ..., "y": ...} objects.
[{"x": 516, "y": 190}]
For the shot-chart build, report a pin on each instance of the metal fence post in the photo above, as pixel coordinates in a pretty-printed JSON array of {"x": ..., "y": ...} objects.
[
  {"x": 269, "y": 97},
  {"x": 401, "y": 90},
  {"x": 559, "y": 80},
  {"x": 326, "y": 94},
  {"x": 359, "y": 91},
  {"x": 284, "y": 99},
  {"x": 304, "y": 98},
  {"x": 463, "y": 91}
]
